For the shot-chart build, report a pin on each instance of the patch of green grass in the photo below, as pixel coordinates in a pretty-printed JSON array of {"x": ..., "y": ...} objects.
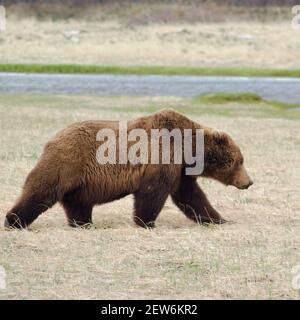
[
  {"x": 144, "y": 70},
  {"x": 245, "y": 104},
  {"x": 226, "y": 97},
  {"x": 240, "y": 97},
  {"x": 282, "y": 105}
]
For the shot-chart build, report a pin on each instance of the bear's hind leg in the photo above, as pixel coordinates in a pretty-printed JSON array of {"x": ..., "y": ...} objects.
[
  {"x": 40, "y": 192},
  {"x": 192, "y": 201},
  {"x": 27, "y": 209}
]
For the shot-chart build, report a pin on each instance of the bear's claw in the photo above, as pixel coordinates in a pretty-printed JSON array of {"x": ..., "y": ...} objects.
[
  {"x": 12, "y": 221},
  {"x": 6, "y": 224}
]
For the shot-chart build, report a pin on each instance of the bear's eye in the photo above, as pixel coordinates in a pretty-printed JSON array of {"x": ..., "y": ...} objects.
[{"x": 236, "y": 164}]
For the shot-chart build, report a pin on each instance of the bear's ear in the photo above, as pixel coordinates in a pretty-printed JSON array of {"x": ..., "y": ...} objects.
[{"x": 220, "y": 138}]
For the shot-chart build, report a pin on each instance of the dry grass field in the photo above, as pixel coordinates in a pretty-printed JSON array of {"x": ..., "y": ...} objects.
[
  {"x": 87, "y": 40},
  {"x": 250, "y": 258}
]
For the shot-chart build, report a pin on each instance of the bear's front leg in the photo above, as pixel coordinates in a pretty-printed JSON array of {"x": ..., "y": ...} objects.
[{"x": 192, "y": 201}]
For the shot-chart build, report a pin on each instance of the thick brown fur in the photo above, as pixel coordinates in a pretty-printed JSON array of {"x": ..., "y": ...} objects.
[{"x": 68, "y": 172}]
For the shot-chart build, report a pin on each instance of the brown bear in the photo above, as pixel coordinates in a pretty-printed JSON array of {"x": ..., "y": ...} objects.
[{"x": 68, "y": 172}]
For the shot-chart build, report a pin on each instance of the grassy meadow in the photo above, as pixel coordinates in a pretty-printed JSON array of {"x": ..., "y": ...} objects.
[{"x": 250, "y": 258}]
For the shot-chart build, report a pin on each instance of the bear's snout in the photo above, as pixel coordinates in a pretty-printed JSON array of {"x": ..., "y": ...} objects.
[
  {"x": 242, "y": 180},
  {"x": 246, "y": 186}
]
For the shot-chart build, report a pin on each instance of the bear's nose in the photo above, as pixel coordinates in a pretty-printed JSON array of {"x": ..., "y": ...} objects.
[
  {"x": 249, "y": 184},
  {"x": 246, "y": 186}
]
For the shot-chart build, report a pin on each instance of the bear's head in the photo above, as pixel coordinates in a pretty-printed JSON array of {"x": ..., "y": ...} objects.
[{"x": 223, "y": 161}]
